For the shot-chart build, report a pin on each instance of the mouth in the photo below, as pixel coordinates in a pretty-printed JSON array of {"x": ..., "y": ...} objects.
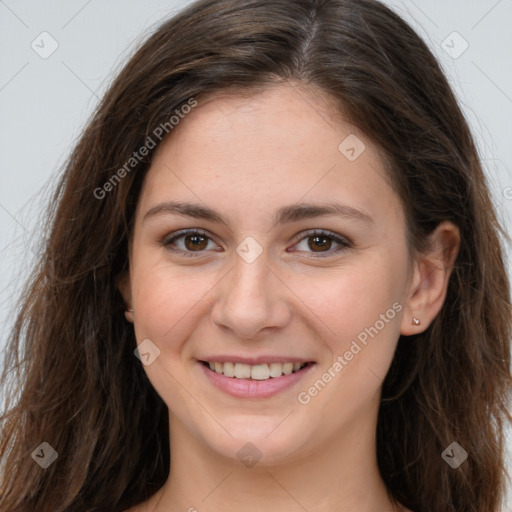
[{"x": 260, "y": 380}]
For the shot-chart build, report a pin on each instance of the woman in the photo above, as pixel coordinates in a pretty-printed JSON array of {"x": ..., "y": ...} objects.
[{"x": 273, "y": 279}]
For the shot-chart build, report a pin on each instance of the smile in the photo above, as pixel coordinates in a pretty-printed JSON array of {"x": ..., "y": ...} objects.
[
  {"x": 261, "y": 380},
  {"x": 257, "y": 372}
]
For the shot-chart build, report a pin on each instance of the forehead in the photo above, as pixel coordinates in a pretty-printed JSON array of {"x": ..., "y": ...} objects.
[{"x": 280, "y": 144}]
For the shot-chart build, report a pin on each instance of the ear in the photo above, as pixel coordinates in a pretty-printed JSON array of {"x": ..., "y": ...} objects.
[
  {"x": 429, "y": 282},
  {"x": 124, "y": 287}
]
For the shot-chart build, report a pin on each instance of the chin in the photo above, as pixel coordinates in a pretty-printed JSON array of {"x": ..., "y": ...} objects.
[{"x": 264, "y": 442}]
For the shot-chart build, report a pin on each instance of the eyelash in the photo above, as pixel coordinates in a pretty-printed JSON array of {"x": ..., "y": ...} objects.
[{"x": 343, "y": 242}]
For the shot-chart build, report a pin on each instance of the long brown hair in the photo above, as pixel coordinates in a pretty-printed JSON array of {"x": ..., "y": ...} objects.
[{"x": 70, "y": 376}]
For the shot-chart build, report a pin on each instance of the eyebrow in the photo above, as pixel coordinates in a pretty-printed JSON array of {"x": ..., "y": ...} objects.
[{"x": 285, "y": 215}]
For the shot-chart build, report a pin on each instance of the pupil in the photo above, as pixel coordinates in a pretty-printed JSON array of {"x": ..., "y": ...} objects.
[
  {"x": 195, "y": 242},
  {"x": 320, "y": 241}
]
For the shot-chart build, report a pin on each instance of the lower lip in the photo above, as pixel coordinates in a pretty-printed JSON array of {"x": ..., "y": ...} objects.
[{"x": 249, "y": 388}]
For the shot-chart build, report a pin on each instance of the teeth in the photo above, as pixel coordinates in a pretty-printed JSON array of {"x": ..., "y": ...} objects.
[
  {"x": 276, "y": 369},
  {"x": 260, "y": 372},
  {"x": 287, "y": 368},
  {"x": 256, "y": 372},
  {"x": 229, "y": 369},
  {"x": 242, "y": 371}
]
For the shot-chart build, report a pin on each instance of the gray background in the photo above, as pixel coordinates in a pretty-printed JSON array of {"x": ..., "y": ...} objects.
[{"x": 45, "y": 102}]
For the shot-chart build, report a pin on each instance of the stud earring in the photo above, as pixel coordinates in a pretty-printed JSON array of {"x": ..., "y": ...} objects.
[{"x": 415, "y": 321}]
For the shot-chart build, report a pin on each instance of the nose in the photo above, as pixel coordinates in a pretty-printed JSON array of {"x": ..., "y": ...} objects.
[{"x": 251, "y": 299}]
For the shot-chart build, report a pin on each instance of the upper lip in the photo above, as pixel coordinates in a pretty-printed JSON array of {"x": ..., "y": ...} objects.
[{"x": 253, "y": 360}]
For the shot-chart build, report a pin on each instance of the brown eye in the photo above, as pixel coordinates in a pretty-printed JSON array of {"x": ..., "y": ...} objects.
[
  {"x": 186, "y": 243},
  {"x": 195, "y": 242},
  {"x": 319, "y": 243}
]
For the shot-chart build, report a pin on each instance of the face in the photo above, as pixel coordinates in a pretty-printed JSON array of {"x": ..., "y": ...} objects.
[{"x": 267, "y": 242}]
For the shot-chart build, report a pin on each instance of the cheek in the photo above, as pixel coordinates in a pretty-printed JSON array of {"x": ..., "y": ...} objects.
[
  {"x": 168, "y": 308},
  {"x": 167, "y": 302},
  {"x": 360, "y": 312},
  {"x": 349, "y": 300},
  {"x": 367, "y": 328}
]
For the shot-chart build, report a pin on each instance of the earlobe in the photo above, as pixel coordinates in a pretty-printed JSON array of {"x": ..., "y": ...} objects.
[
  {"x": 430, "y": 279},
  {"x": 124, "y": 288},
  {"x": 128, "y": 314}
]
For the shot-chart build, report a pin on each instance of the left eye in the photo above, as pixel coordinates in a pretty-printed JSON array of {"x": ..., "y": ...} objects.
[
  {"x": 321, "y": 242},
  {"x": 317, "y": 242}
]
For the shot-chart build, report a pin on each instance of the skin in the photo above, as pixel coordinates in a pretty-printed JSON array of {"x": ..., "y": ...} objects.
[{"x": 245, "y": 157}]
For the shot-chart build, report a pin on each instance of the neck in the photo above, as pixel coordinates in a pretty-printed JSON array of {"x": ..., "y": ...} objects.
[{"x": 340, "y": 475}]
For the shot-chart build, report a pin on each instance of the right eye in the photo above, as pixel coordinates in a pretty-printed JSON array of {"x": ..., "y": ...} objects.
[{"x": 187, "y": 242}]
